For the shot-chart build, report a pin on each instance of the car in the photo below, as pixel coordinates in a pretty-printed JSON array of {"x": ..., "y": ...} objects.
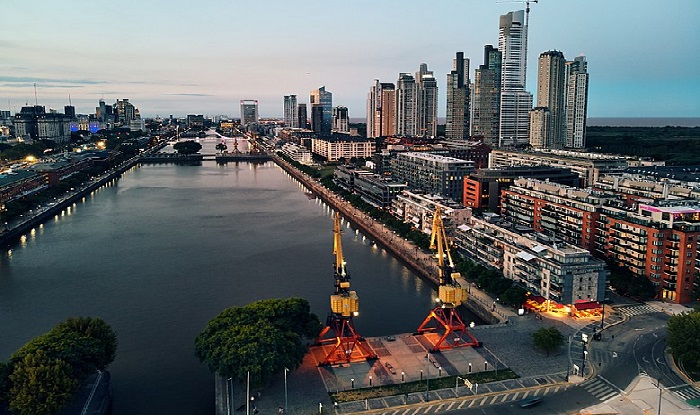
[{"x": 529, "y": 402}]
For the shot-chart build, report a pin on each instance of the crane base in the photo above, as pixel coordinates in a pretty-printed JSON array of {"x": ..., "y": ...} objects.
[
  {"x": 348, "y": 346},
  {"x": 448, "y": 322}
]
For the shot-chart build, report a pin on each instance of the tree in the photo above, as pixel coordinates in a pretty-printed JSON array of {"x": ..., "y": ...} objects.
[
  {"x": 548, "y": 339},
  {"x": 86, "y": 344},
  {"x": 514, "y": 296},
  {"x": 261, "y": 338},
  {"x": 41, "y": 385},
  {"x": 684, "y": 341},
  {"x": 187, "y": 147},
  {"x": 5, "y": 370}
]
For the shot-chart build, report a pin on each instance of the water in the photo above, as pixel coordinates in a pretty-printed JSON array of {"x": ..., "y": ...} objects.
[{"x": 166, "y": 248}]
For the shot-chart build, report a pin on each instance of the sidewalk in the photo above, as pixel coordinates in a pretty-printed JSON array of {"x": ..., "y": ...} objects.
[{"x": 642, "y": 397}]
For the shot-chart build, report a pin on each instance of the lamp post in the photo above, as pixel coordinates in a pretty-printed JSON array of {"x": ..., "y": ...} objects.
[
  {"x": 229, "y": 398},
  {"x": 658, "y": 384},
  {"x": 427, "y": 379},
  {"x": 286, "y": 403}
]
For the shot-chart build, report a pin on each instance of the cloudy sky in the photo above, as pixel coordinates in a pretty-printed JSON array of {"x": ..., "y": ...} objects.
[{"x": 179, "y": 57}]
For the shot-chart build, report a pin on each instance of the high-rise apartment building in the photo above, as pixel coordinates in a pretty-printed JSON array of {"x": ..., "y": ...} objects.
[
  {"x": 302, "y": 116},
  {"x": 381, "y": 110},
  {"x": 457, "y": 127},
  {"x": 324, "y": 99},
  {"x": 486, "y": 97},
  {"x": 540, "y": 128},
  {"x": 291, "y": 116},
  {"x": 427, "y": 99},
  {"x": 516, "y": 103},
  {"x": 249, "y": 111},
  {"x": 341, "y": 121},
  {"x": 317, "y": 119},
  {"x": 551, "y": 94},
  {"x": 577, "y": 102},
  {"x": 406, "y": 105}
]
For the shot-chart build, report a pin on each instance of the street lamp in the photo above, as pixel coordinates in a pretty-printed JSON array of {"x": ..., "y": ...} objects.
[
  {"x": 658, "y": 385},
  {"x": 286, "y": 403},
  {"x": 352, "y": 383},
  {"x": 427, "y": 379}
]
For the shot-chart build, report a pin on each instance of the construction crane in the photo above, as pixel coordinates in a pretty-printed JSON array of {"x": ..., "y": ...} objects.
[
  {"x": 444, "y": 320},
  {"x": 347, "y": 344}
]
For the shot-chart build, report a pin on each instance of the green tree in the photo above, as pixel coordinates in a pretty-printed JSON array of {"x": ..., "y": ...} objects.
[
  {"x": 684, "y": 341},
  {"x": 40, "y": 385},
  {"x": 187, "y": 147},
  {"x": 514, "y": 296},
  {"x": 261, "y": 338},
  {"x": 86, "y": 344},
  {"x": 548, "y": 339}
]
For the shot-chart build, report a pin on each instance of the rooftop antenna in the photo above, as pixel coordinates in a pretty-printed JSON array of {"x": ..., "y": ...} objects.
[
  {"x": 36, "y": 100},
  {"x": 69, "y": 101}
]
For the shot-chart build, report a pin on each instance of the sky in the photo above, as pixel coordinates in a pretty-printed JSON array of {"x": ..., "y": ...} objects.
[{"x": 183, "y": 57}]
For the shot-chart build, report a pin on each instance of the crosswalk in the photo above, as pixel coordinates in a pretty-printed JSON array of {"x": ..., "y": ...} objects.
[
  {"x": 475, "y": 402},
  {"x": 686, "y": 392},
  {"x": 600, "y": 388},
  {"x": 635, "y": 310}
]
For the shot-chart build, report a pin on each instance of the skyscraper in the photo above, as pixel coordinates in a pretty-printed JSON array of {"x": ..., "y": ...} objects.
[
  {"x": 341, "y": 122},
  {"x": 249, "y": 111},
  {"x": 551, "y": 94},
  {"x": 577, "y": 102},
  {"x": 406, "y": 105},
  {"x": 291, "y": 117},
  {"x": 426, "y": 100},
  {"x": 388, "y": 115},
  {"x": 457, "y": 127},
  {"x": 324, "y": 99},
  {"x": 486, "y": 97},
  {"x": 540, "y": 127},
  {"x": 515, "y": 101},
  {"x": 302, "y": 116},
  {"x": 374, "y": 110}
]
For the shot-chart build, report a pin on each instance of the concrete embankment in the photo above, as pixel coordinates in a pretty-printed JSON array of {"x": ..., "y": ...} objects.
[
  {"x": 419, "y": 261},
  {"x": 402, "y": 249},
  {"x": 16, "y": 231}
]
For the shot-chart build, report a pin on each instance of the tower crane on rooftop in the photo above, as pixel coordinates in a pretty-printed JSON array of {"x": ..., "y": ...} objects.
[
  {"x": 444, "y": 320},
  {"x": 347, "y": 345}
]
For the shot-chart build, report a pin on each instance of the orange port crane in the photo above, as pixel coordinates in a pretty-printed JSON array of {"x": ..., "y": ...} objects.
[
  {"x": 445, "y": 319},
  {"x": 347, "y": 345}
]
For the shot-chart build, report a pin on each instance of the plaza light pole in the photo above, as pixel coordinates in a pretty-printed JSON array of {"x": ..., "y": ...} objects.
[
  {"x": 286, "y": 403},
  {"x": 427, "y": 378},
  {"x": 658, "y": 384}
]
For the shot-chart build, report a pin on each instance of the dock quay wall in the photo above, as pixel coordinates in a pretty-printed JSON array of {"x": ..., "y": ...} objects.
[
  {"x": 408, "y": 253},
  {"x": 15, "y": 233}
]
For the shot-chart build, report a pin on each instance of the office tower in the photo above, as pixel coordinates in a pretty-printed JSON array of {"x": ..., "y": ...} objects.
[
  {"x": 69, "y": 110},
  {"x": 303, "y": 118},
  {"x": 426, "y": 102},
  {"x": 406, "y": 105},
  {"x": 577, "y": 102},
  {"x": 324, "y": 99},
  {"x": 291, "y": 117},
  {"x": 249, "y": 111},
  {"x": 515, "y": 101},
  {"x": 124, "y": 112},
  {"x": 486, "y": 97},
  {"x": 540, "y": 127},
  {"x": 317, "y": 119},
  {"x": 341, "y": 122},
  {"x": 551, "y": 93},
  {"x": 457, "y": 127}
]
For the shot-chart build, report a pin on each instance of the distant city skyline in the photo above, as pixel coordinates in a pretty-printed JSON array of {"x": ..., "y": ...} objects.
[{"x": 177, "y": 58}]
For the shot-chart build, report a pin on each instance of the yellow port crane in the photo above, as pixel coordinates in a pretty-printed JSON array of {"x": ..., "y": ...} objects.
[
  {"x": 346, "y": 344},
  {"x": 444, "y": 320}
]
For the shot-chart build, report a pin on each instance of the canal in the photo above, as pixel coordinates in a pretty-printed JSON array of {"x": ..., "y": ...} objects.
[{"x": 166, "y": 248}]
